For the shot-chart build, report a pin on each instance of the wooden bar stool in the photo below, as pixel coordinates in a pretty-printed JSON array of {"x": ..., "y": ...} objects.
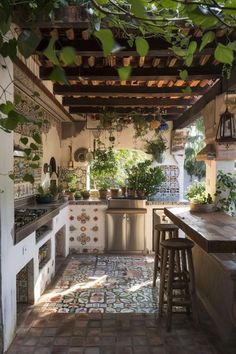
[
  {"x": 177, "y": 284},
  {"x": 164, "y": 231}
]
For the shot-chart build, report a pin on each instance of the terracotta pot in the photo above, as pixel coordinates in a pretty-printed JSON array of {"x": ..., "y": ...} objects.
[
  {"x": 140, "y": 194},
  {"x": 130, "y": 193},
  {"x": 85, "y": 194},
  {"x": 114, "y": 192},
  {"x": 71, "y": 196},
  {"x": 103, "y": 193},
  {"x": 202, "y": 208}
]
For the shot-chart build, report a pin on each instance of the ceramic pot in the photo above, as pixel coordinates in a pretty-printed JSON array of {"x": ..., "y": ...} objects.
[
  {"x": 114, "y": 192},
  {"x": 85, "y": 195},
  {"x": 202, "y": 208},
  {"x": 103, "y": 193}
]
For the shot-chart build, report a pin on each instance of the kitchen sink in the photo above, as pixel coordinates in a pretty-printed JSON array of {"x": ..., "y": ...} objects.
[{"x": 126, "y": 203}]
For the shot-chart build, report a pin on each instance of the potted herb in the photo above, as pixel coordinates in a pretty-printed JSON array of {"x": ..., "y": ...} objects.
[
  {"x": 200, "y": 200},
  {"x": 156, "y": 148},
  {"x": 85, "y": 194},
  {"x": 72, "y": 185},
  {"x": 44, "y": 195},
  {"x": 77, "y": 195},
  {"x": 145, "y": 179}
]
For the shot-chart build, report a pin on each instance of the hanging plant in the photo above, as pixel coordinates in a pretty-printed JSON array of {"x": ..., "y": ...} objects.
[
  {"x": 156, "y": 148},
  {"x": 140, "y": 124}
]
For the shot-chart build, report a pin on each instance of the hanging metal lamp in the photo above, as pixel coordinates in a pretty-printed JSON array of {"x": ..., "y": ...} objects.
[{"x": 226, "y": 132}]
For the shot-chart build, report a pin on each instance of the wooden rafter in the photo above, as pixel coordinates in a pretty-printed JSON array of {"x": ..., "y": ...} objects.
[
  {"x": 141, "y": 74},
  {"x": 126, "y": 102}
]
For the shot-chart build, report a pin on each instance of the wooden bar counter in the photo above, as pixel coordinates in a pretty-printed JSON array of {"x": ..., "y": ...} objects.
[
  {"x": 214, "y": 232},
  {"x": 214, "y": 235}
]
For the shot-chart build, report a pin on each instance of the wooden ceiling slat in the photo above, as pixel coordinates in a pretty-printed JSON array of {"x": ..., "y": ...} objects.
[
  {"x": 78, "y": 60},
  {"x": 141, "y": 74},
  {"x": 127, "y": 102},
  {"x": 115, "y": 91},
  {"x": 82, "y": 110},
  {"x": 156, "y": 62},
  {"x": 141, "y": 62},
  {"x": 171, "y": 62},
  {"x": 204, "y": 59},
  {"x": 70, "y": 34},
  {"x": 91, "y": 61},
  {"x": 85, "y": 35},
  {"x": 91, "y": 47}
]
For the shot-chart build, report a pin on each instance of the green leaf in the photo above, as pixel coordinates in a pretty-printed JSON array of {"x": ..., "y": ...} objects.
[
  {"x": 9, "y": 49},
  {"x": 28, "y": 41},
  {"x": 58, "y": 75},
  {"x": 124, "y": 73},
  {"x": 183, "y": 74},
  {"x": 142, "y": 46},
  {"x": 170, "y": 4},
  {"x": 24, "y": 140},
  {"x": 12, "y": 176},
  {"x": 10, "y": 124},
  {"x": 34, "y": 165},
  {"x": 17, "y": 99},
  {"x": 36, "y": 158},
  {"x": 192, "y": 47},
  {"x": 50, "y": 52},
  {"x": 68, "y": 55},
  {"x": 106, "y": 38},
  {"x": 207, "y": 38},
  {"x": 187, "y": 90},
  {"x": 138, "y": 7},
  {"x": 179, "y": 51},
  {"x": 18, "y": 116},
  {"x": 232, "y": 45},
  {"x": 35, "y": 94},
  {"x": 5, "y": 22},
  {"x": 189, "y": 59},
  {"x": 34, "y": 146},
  {"x": 232, "y": 4},
  {"x": 28, "y": 178},
  {"x": 224, "y": 54},
  {"x": 27, "y": 151},
  {"x": 6, "y": 107},
  {"x": 37, "y": 138}
]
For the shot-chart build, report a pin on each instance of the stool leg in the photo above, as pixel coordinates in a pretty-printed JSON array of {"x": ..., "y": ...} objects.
[
  {"x": 185, "y": 273},
  {"x": 170, "y": 290},
  {"x": 156, "y": 258},
  {"x": 192, "y": 286},
  {"x": 162, "y": 280}
]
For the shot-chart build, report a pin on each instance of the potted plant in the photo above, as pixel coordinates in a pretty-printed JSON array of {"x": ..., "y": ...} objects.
[
  {"x": 200, "y": 200},
  {"x": 226, "y": 192},
  {"x": 103, "y": 185},
  {"x": 156, "y": 148},
  {"x": 77, "y": 195},
  {"x": 43, "y": 195},
  {"x": 85, "y": 194},
  {"x": 145, "y": 179},
  {"x": 72, "y": 185}
]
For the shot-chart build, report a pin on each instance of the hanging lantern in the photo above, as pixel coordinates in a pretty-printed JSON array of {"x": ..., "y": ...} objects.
[{"x": 226, "y": 132}]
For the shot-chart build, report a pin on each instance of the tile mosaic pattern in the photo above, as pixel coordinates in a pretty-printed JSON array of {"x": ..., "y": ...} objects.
[
  {"x": 42, "y": 331},
  {"x": 169, "y": 190},
  {"x": 105, "y": 284},
  {"x": 84, "y": 223}
]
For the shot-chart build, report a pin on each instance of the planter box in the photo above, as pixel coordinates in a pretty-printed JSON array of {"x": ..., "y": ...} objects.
[{"x": 202, "y": 208}]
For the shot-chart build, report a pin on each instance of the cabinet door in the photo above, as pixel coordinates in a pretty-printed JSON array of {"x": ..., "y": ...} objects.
[
  {"x": 135, "y": 240},
  {"x": 115, "y": 232}
]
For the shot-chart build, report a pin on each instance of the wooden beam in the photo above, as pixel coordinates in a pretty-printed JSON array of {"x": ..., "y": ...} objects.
[
  {"x": 92, "y": 47},
  {"x": 140, "y": 74},
  {"x": 189, "y": 116},
  {"x": 94, "y": 110},
  {"x": 125, "y": 102},
  {"x": 128, "y": 91}
]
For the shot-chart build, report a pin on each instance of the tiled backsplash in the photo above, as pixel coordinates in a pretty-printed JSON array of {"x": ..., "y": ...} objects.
[{"x": 168, "y": 190}]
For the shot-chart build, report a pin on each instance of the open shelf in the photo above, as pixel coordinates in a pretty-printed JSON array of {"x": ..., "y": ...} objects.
[{"x": 44, "y": 254}]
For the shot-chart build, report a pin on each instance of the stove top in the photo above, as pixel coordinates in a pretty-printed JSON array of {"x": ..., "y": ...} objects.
[{"x": 26, "y": 216}]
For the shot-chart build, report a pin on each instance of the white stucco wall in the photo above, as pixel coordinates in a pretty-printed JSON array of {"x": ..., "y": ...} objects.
[
  {"x": 7, "y": 219},
  {"x": 123, "y": 140}
]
